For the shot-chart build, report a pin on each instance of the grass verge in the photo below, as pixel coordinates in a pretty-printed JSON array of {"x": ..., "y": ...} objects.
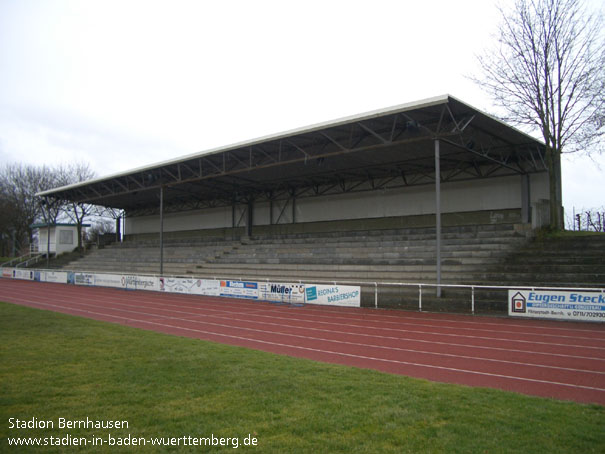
[
  {"x": 547, "y": 234},
  {"x": 57, "y": 366}
]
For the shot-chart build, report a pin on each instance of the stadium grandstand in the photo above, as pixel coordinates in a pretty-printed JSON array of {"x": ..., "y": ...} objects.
[{"x": 433, "y": 191}]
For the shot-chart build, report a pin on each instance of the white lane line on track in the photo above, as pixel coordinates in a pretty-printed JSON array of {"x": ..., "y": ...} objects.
[
  {"x": 378, "y": 317},
  {"x": 158, "y": 317},
  {"x": 591, "y": 347},
  {"x": 103, "y": 300},
  {"x": 413, "y": 322},
  {"x": 429, "y": 332},
  {"x": 479, "y": 319},
  {"x": 167, "y": 297},
  {"x": 329, "y": 352}
]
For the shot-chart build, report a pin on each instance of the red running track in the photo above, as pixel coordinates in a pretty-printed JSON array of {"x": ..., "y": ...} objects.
[{"x": 562, "y": 360}]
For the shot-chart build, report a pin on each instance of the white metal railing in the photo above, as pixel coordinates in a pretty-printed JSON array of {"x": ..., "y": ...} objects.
[
  {"x": 24, "y": 261},
  {"x": 367, "y": 284},
  {"x": 31, "y": 261},
  {"x": 16, "y": 261},
  {"x": 420, "y": 286}
]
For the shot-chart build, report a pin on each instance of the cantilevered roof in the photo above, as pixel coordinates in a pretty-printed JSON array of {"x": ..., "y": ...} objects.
[{"x": 382, "y": 149}]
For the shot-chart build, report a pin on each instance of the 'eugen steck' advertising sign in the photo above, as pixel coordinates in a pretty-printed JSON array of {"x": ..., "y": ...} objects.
[{"x": 585, "y": 306}]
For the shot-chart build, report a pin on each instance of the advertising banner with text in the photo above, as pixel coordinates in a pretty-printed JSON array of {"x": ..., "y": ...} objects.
[
  {"x": 290, "y": 293},
  {"x": 334, "y": 295},
  {"x": 59, "y": 277},
  {"x": 239, "y": 289},
  {"x": 581, "y": 306},
  {"x": 190, "y": 286},
  {"x": 23, "y": 274},
  {"x": 282, "y": 293}
]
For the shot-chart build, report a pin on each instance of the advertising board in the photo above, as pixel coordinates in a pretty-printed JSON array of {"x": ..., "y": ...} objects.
[
  {"x": 290, "y": 293},
  {"x": 84, "y": 279},
  {"x": 132, "y": 282},
  {"x": 239, "y": 289},
  {"x": 559, "y": 305},
  {"x": 281, "y": 293},
  {"x": 23, "y": 274},
  {"x": 109, "y": 280},
  {"x": 54, "y": 276},
  {"x": 190, "y": 286},
  {"x": 333, "y": 295}
]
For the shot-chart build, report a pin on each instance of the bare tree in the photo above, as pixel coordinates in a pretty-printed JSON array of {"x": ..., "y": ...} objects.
[
  {"x": 8, "y": 210},
  {"x": 547, "y": 73},
  {"x": 19, "y": 184},
  {"x": 591, "y": 219},
  {"x": 76, "y": 211},
  {"x": 102, "y": 232}
]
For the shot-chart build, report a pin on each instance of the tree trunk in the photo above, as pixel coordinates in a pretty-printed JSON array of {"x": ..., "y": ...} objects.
[
  {"x": 553, "y": 160},
  {"x": 79, "y": 228}
]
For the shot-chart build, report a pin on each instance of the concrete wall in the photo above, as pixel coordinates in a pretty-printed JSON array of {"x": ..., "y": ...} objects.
[
  {"x": 477, "y": 195},
  {"x": 58, "y": 242}
]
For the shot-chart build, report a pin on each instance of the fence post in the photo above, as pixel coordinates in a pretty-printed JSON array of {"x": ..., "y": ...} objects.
[
  {"x": 375, "y": 295},
  {"x": 473, "y": 300},
  {"x": 420, "y": 297}
]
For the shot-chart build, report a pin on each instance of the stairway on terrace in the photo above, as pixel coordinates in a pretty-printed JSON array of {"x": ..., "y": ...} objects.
[{"x": 567, "y": 260}]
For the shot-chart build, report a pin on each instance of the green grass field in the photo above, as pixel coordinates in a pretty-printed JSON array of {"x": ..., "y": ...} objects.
[{"x": 56, "y": 366}]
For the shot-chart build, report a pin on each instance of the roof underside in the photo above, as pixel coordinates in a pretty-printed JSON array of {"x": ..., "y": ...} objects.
[{"x": 382, "y": 150}]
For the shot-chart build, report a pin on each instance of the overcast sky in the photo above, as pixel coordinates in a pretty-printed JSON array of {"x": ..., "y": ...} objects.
[{"x": 121, "y": 84}]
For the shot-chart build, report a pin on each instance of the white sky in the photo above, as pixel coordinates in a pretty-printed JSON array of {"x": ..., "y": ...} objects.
[{"x": 121, "y": 84}]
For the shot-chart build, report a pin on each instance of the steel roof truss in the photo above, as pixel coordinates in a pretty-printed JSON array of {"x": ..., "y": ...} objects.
[
  {"x": 373, "y": 133},
  {"x": 267, "y": 155},
  {"x": 335, "y": 142},
  {"x": 170, "y": 174},
  {"x": 137, "y": 182},
  {"x": 482, "y": 154}
]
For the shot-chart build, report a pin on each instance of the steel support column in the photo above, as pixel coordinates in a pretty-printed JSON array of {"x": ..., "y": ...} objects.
[
  {"x": 161, "y": 230},
  {"x": 46, "y": 214},
  {"x": 47, "y": 243},
  {"x": 250, "y": 218},
  {"x": 118, "y": 229},
  {"x": 438, "y": 216},
  {"x": 525, "y": 199},
  {"x": 233, "y": 214}
]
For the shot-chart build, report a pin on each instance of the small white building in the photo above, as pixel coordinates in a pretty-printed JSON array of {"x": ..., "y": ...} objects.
[{"x": 63, "y": 237}]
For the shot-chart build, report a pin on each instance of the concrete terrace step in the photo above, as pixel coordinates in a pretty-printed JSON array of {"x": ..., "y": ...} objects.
[
  {"x": 324, "y": 268},
  {"x": 491, "y": 243},
  {"x": 364, "y": 247},
  {"x": 367, "y": 258},
  {"x": 399, "y": 231},
  {"x": 361, "y": 253},
  {"x": 296, "y": 276},
  {"x": 384, "y": 242},
  {"x": 547, "y": 267},
  {"x": 345, "y": 237},
  {"x": 594, "y": 278}
]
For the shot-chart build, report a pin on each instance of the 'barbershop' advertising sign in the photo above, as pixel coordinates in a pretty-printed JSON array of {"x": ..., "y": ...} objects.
[{"x": 581, "y": 306}]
